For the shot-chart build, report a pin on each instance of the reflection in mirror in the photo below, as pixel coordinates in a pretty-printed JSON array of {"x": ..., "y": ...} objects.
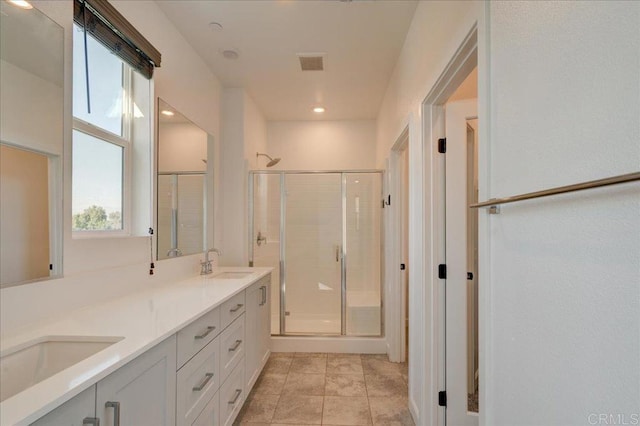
[
  {"x": 31, "y": 101},
  {"x": 473, "y": 366},
  {"x": 182, "y": 184}
]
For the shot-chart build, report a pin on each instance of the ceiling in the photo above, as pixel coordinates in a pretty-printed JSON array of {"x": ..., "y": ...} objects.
[{"x": 361, "y": 41}]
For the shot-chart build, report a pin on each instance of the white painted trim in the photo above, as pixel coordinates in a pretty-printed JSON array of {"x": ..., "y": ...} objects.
[
  {"x": 364, "y": 345},
  {"x": 396, "y": 295},
  {"x": 484, "y": 247},
  {"x": 458, "y": 68}
]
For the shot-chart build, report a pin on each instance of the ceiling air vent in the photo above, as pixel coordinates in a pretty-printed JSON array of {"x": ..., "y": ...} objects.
[{"x": 311, "y": 62}]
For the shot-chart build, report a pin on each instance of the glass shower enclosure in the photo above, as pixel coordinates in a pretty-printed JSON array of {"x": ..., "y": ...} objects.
[{"x": 321, "y": 231}]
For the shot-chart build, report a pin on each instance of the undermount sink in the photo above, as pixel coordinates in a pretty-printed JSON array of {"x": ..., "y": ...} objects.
[
  {"x": 236, "y": 275},
  {"x": 27, "y": 365}
]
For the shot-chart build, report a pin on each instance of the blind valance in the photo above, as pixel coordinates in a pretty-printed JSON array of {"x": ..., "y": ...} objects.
[{"x": 100, "y": 19}]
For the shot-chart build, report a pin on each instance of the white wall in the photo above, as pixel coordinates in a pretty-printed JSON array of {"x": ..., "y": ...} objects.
[
  {"x": 321, "y": 145},
  {"x": 31, "y": 115},
  {"x": 244, "y": 133},
  {"x": 185, "y": 82},
  {"x": 564, "y": 271},
  {"x": 182, "y": 147}
]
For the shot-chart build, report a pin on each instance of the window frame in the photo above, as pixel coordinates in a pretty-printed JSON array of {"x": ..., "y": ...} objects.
[{"x": 126, "y": 143}]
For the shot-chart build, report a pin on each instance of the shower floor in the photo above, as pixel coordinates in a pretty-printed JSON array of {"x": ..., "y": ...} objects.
[{"x": 307, "y": 324}]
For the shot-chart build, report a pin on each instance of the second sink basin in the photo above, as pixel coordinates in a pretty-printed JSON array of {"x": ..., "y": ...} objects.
[
  {"x": 40, "y": 359},
  {"x": 231, "y": 275}
]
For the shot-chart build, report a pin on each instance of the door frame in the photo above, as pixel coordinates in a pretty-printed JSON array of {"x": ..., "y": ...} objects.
[
  {"x": 472, "y": 52},
  {"x": 396, "y": 292}
]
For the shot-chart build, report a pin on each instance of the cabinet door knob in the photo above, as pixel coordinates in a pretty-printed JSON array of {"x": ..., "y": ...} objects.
[{"x": 116, "y": 411}]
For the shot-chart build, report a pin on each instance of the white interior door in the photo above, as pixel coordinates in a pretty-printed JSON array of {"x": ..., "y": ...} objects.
[{"x": 459, "y": 307}]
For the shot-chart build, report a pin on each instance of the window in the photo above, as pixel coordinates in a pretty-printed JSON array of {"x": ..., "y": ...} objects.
[
  {"x": 111, "y": 145},
  {"x": 106, "y": 121},
  {"x": 101, "y": 137}
]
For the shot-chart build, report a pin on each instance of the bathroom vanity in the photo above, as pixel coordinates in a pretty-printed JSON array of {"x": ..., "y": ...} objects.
[{"x": 185, "y": 353}]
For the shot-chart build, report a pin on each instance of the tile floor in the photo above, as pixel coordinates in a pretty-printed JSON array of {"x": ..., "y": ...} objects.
[{"x": 328, "y": 389}]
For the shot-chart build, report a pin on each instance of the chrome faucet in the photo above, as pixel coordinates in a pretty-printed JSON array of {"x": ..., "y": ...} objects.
[{"x": 206, "y": 266}]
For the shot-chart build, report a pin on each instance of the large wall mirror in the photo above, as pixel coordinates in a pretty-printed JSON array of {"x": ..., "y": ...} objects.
[
  {"x": 184, "y": 185},
  {"x": 31, "y": 145}
]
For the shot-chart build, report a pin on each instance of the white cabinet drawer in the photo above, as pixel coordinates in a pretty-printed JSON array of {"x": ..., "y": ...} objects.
[
  {"x": 196, "y": 335},
  {"x": 232, "y": 309},
  {"x": 232, "y": 395},
  {"x": 210, "y": 416},
  {"x": 197, "y": 381},
  {"x": 232, "y": 346}
]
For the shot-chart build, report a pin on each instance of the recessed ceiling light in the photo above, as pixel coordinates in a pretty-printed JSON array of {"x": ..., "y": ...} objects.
[
  {"x": 318, "y": 109},
  {"x": 230, "y": 54},
  {"x": 167, "y": 113},
  {"x": 22, "y": 4}
]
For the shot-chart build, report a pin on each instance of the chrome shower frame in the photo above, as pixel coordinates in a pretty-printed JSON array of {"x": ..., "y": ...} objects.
[{"x": 282, "y": 262}]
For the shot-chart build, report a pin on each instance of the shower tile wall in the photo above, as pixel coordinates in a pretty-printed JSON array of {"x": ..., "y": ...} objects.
[{"x": 313, "y": 223}]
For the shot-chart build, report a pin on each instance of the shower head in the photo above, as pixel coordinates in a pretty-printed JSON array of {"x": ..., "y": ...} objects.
[{"x": 272, "y": 161}]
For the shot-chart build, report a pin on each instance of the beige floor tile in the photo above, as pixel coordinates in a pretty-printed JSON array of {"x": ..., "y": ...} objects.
[
  {"x": 404, "y": 371},
  {"x": 388, "y": 385},
  {"x": 298, "y": 409},
  {"x": 380, "y": 366},
  {"x": 310, "y": 355},
  {"x": 390, "y": 411},
  {"x": 344, "y": 365},
  {"x": 345, "y": 385},
  {"x": 340, "y": 410},
  {"x": 304, "y": 384},
  {"x": 338, "y": 355},
  {"x": 281, "y": 355},
  {"x": 270, "y": 384},
  {"x": 259, "y": 408},
  {"x": 278, "y": 365},
  {"x": 309, "y": 365}
]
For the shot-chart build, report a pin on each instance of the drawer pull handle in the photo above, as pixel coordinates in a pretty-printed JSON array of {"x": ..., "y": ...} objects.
[
  {"x": 204, "y": 382},
  {"x": 204, "y": 333},
  {"x": 235, "y": 346},
  {"x": 263, "y": 292},
  {"x": 236, "y": 396},
  {"x": 237, "y": 308},
  {"x": 92, "y": 421},
  {"x": 116, "y": 411}
]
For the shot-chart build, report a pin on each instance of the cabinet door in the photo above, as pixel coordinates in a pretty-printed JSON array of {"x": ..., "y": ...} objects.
[
  {"x": 73, "y": 412},
  {"x": 143, "y": 392},
  {"x": 254, "y": 298},
  {"x": 264, "y": 325},
  {"x": 257, "y": 329}
]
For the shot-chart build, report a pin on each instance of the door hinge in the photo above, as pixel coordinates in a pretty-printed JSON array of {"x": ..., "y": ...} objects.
[
  {"x": 403, "y": 266},
  {"x": 51, "y": 266},
  {"x": 470, "y": 275},
  {"x": 442, "y": 271},
  {"x": 442, "y": 398},
  {"x": 442, "y": 145}
]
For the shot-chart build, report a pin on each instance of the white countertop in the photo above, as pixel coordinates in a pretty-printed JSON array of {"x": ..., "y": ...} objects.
[{"x": 143, "y": 319}]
